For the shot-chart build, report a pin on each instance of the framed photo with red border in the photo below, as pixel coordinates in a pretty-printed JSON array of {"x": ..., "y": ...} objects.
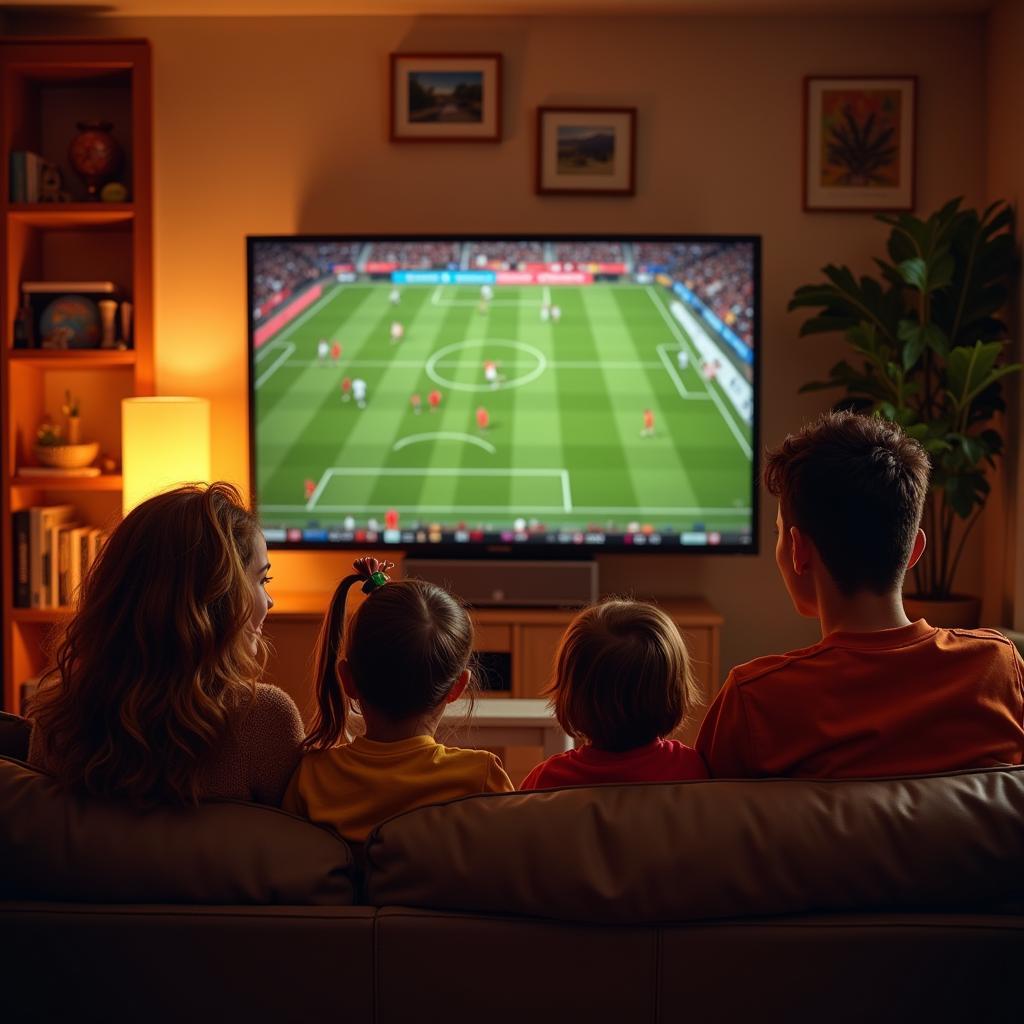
[
  {"x": 445, "y": 97},
  {"x": 586, "y": 151},
  {"x": 859, "y": 142}
]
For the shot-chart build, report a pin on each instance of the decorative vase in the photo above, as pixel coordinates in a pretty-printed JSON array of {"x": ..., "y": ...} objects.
[
  {"x": 94, "y": 154},
  {"x": 74, "y": 430},
  {"x": 959, "y": 611},
  {"x": 126, "y": 324},
  {"x": 108, "y": 310}
]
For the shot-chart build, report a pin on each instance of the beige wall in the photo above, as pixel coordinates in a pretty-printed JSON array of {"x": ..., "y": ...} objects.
[{"x": 279, "y": 125}]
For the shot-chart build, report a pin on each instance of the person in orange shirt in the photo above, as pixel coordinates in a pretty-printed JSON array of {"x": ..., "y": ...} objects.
[
  {"x": 404, "y": 658},
  {"x": 878, "y": 694}
]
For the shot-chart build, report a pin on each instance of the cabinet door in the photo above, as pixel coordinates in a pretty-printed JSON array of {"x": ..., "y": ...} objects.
[
  {"x": 537, "y": 646},
  {"x": 699, "y": 642}
]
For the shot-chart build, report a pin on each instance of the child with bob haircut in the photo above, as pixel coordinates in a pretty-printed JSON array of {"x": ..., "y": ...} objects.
[
  {"x": 878, "y": 694},
  {"x": 622, "y": 684},
  {"x": 403, "y": 656}
]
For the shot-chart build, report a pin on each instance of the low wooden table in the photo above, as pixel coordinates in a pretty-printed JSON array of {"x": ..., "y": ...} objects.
[{"x": 503, "y": 722}]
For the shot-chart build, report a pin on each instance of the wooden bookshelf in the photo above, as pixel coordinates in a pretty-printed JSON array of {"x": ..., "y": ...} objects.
[{"x": 47, "y": 85}]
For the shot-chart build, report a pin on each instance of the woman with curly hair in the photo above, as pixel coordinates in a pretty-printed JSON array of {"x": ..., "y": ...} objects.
[{"x": 154, "y": 696}]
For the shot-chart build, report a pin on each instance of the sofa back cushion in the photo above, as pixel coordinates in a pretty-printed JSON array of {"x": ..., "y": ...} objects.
[
  {"x": 54, "y": 846},
  {"x": 686, "y": 851}
]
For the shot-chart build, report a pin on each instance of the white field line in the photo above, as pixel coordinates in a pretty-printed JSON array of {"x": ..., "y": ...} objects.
[
  {"x": 583, "y": 510},
  {"x": 454, "y": 364},
  {"x": 329, "y": 294},
  {"x": 289, "y": 350},
  {"x": 681, "y": 337},
  {"x": 443, "y": 435},
  {"x": 678, "y": 381},
  {"x": 562, "y": 475},
  {"x": 547, "y": 295},
  {"x": 321, "y": 484}
]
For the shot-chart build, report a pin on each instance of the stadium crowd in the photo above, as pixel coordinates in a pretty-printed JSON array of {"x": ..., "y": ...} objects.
[
  {"x": 415, "y": 255},
  {"x": 720, "y": 275},
  {"x": 589, "y": 252},
  {"x": 504, "y": 255},
  {"x": 281, "y": 267}
]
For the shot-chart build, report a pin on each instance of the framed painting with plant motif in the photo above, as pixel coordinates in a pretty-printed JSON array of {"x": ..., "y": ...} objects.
[{"x": 859, "y": 143}]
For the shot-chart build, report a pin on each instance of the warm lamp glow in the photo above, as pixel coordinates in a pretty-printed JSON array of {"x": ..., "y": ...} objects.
[{"x": 165, "y": 442}]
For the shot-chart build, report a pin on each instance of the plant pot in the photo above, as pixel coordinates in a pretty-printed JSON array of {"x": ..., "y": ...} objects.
[
  {"x": 67, "y": 456},
  {"x": 958, "y": 610}
]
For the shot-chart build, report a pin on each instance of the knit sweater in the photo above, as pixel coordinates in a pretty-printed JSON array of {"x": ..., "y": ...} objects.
[{"x": 255, "y": 759}]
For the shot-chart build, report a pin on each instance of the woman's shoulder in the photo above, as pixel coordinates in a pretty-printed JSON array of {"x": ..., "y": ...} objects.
[{"x": 269, "y": 708}]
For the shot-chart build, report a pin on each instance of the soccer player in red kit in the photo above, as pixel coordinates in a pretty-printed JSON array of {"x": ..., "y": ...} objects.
[
  {"x": 346, "y": 389},
  {"x": 391, "y": 519},
  {"x": 482, "y": 418},
  {"x": 434, "y": 399},
  {"x": 648, "y": 424},
  {"x": 336, "y": 351},
  {"x": 310, "y": 488}
]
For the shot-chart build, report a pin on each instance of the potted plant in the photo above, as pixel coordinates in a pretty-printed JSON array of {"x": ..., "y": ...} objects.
[{"x": 930, "y": 354}]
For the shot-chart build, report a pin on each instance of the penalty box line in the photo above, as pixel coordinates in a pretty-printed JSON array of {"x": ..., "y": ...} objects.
[{"x": 562, "y": 475}]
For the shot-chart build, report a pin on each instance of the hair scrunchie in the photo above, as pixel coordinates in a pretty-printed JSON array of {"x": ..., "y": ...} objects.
[{"x": 372, "y": 572}]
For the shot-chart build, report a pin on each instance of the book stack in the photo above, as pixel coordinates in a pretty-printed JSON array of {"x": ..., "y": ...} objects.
[
  {"x": 26, "y": 173},
  {"x": 52, "y": 554}
]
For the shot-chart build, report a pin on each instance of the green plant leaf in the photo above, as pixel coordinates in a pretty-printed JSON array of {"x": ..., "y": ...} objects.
[{"x": 915, "y": 272}]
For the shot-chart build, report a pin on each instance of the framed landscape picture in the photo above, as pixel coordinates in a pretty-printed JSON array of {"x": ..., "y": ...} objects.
[
  {"x": 445, "y": 97},
  {"x": 586, "y": 150},
  {"x": 859, "y": 143}
]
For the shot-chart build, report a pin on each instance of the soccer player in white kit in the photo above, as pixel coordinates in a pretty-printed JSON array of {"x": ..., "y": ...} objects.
[
  {"x": 486, "y": 292},
  {"x": 397, "y": 332},
  {"x": 556, "y": 313},
  {"x": 683, "y": 358},
  {"x": 545, "y": 312},
  {"x": 359, "y": 392},
  {"x": 322, "y": 349},
  {"x": 491, "y": 373},
  {"x": 395, "y": 296}
]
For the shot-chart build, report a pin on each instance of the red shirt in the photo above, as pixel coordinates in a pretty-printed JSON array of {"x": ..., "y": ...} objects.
[
  {"x": 905, "y": 701},
  {"x": 660, "y": 761}
]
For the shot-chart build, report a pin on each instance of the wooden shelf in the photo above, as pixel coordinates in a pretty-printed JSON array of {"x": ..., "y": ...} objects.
[
  {"x": 70, "y": 215},
  {"x": 93, "y": 358},
  {"x": 42, "y": 616},
  {"x": 103, "y": 482},
  {"x": 47, "y": 84}
]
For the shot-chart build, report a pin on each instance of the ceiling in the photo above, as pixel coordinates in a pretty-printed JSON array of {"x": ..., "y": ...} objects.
[{"x": 477, "y": 8}]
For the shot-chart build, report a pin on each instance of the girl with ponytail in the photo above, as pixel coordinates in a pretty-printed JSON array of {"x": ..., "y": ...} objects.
[{"x": 402, "y": 657}]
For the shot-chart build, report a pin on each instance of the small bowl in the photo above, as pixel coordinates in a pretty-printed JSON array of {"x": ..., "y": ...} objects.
[{"x": 67, "y": 456}]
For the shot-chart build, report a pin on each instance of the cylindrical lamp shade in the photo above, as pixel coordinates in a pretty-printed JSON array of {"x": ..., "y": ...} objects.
[{"x": 165, "y": 442}]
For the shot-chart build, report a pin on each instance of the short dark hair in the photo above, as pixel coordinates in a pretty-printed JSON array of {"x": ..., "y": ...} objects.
[
  {"x": 855, "y": 485},
  {"x": 622, "y": 675}
]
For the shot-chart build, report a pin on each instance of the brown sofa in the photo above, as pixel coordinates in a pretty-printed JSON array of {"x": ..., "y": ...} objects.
[{"x": 884, "y": 900}]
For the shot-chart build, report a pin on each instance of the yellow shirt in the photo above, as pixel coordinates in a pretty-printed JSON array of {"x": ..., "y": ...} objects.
[{"x": 355, "y": 786}]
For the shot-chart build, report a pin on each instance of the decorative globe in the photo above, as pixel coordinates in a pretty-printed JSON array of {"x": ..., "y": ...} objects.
[{"x": 70, "y": 321}]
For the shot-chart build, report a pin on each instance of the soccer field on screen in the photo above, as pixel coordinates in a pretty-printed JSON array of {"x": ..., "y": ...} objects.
[{"x": 564, "y": 443}]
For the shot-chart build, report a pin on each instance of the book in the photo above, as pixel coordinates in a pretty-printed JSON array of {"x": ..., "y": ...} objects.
[
  {"x": 62, "y": 588},
  {"x": 41, "y": 521},
  {"x": 26, "y": 170},
  {"x": 22, "y": 594},
  {"x": 76, "y": 568}
]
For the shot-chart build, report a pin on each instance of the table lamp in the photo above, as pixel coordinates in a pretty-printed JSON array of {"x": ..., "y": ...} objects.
[{"x": 165, "y": 442}]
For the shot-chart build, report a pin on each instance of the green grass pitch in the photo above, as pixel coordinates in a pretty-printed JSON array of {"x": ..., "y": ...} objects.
[{"x": 564, "y": 444}]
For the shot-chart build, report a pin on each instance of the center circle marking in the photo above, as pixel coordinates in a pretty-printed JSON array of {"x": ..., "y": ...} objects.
[{"x": 488, "y": 343}]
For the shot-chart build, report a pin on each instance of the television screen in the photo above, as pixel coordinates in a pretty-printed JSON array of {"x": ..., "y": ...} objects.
[{"x": 505, "y": 395}]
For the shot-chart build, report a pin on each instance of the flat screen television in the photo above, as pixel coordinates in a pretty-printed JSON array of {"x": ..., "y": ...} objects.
[{"x": 505, "y": 395}]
